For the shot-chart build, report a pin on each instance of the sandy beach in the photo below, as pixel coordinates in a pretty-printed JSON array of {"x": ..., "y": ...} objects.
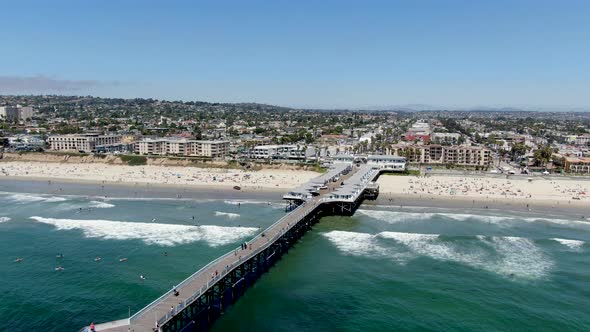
[
  {"x": 541, "y": 195},
  {"x": 266, "y": 179},
  {"x": 556, "y": 195}
]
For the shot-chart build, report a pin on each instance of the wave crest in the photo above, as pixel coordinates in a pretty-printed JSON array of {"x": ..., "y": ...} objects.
[
  {"x": 31, "y": 198},
  {"x": 393, "y": 217},
  {"x": 151, "y": 233},
  {"x": 227, "y": 214},
  {"x": 506, "y": 256},
  {"x": 572, "y": 244}
]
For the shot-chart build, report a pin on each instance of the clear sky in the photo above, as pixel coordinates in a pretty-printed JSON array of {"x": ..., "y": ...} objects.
[{"x": 303, "y": 53}]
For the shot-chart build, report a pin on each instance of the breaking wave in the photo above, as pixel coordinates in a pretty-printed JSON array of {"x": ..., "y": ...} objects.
[
  {"x": 227, "y": 214},
  {"x": 31, "y": 198},
  {"x": 151, "y": 233},
  {"x": 572, "y": 244},
  {"x": 242, "y": 202},
  {"x": 100, "y": 205},
  {"x": 4, "y": 219},
  {"x": 393, "y": 217},
  {"x": 72, "y": 205},
  {"x": 506, "y": 256},
  {"x": 397, "y": 217}
]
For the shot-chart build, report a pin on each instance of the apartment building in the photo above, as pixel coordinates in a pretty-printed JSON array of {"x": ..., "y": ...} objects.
[
  {"x": 8, "y": 113},
  {"x": 438, "y": 154},
  {"x": 213, "y": 149},
  {"x": 449, "y": 138},
  {"x": 577, "y": 164},
  {"x": 182, "y": 147},
  {"x": 582, "y": 140},
  {"x": 81, "y": 142},
  {"x": 277, "y": 152},
  {"x": 16, "y": 113}
]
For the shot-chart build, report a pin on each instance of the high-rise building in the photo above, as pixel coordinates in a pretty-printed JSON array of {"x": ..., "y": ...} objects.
[{"x": 16, "y": 113}]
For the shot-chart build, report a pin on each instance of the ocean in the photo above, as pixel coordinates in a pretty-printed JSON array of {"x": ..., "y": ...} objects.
[{"x": 385, "y": 268}]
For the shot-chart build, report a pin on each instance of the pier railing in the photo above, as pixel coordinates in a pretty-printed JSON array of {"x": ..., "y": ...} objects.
[
  {"x": 215, "y": 278},
  {"x": 231, "y": 266}
]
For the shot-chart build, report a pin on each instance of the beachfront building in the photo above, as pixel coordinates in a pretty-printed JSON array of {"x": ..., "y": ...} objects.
[
  {"x": 81, "y": 142},
  {"x": 446, "y": 155},
  {"x": 182, "y": 147},
  {"x": 467, "y": 155},
  {"x": 576, "y": 164},
  {"x": 278, "y": 152},
  {"x": 387, "y": 163},
  {"x": 343, "y": 159},
  {"x": 212, "y": 149}
]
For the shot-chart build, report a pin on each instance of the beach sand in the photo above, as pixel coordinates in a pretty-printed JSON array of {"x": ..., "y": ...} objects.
[
  {"x": 541, "y": 195},
  {"x": 266, "y": 179}
]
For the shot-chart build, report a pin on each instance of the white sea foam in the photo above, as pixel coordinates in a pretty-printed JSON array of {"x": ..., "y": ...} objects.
[
  {"x": 399, "y": 216},
  {"x": 240, "y": 202},
  {"x": 574, "y": 224},
  {"x": 353, "y": 243},
  {"x": 393, "y": 217},
  {"x": 31, "y": 198},
  {"x": 572, "y": 244},
  {"x": 253, "y": 202},
  {"x": 518, "y": 257},
  {"x": 100, "y": 205},
  {"x": 4, "y": 219},
  {"x": 73, "y": 205},
  {"x": 509, "y": 257},
  {"x": 151, "y": 233},
  {"x": 227, "y": 214}
]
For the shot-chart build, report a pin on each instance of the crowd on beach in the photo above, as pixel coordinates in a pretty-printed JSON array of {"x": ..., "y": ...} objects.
[
  {"x": 251, "y": 180},
  {"x": 488, "y": 188}
]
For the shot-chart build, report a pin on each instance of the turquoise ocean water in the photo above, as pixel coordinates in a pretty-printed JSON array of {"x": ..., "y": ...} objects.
[{"x": 385, "y": 268}]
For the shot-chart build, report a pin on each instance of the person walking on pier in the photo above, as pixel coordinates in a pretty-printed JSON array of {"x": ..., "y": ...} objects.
[{"x": 92, "y": 327}]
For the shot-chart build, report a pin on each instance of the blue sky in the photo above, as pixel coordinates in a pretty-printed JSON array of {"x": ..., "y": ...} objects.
[{"x": 445, "y": 53}]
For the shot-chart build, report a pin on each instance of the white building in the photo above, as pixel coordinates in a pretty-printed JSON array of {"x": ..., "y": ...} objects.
[
  {"x": 81, "y": 142},
  {"x": 450, "y": 138},
  {"x": 583, "y": 140},
  {"x": 278, "y": 152},
  {"x": 16, "y": 113},
  {"x": 182, "y": 147},
  {"x": 8, "y": 113},
  {"x": 387, "y": 163}
]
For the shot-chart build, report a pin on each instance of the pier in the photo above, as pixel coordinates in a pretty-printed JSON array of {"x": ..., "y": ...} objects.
[{"x": 197, "y": 302}]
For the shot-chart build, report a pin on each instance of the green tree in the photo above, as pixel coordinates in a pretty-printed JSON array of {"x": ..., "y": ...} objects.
[
  {"x": 519, "y": 149},
  {"x": 543, "y": 154}
]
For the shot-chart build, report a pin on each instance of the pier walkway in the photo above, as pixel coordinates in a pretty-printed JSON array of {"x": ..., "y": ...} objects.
[{"x": 203, "y": 296}]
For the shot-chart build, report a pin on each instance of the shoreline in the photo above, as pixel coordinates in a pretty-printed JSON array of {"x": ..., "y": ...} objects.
[
  {"x": 396, "y": 201},
  {"x": 575, "y": 210},
  {"x": 110, "y": 189}
]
